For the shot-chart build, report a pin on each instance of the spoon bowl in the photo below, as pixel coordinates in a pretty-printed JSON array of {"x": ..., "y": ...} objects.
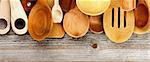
[
  {"x": 76, "y": 24},
  {"x": 93, "y": 7},
  {"x": 40, "y": 21},
  {"x": 142, "y": 17}
]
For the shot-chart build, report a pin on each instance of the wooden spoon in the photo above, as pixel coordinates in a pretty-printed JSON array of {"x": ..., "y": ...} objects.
[
  {"x": 142, "y": 17},
  {"x": 128, "y": 5},
  {"x": 118, "y": 24},
  {"x": 57, "y": 31},
  {"x": 19, "y": 21},
  {"x": 96, "y": 24},
  {"x": 93, "y": 7},
  {"x": 51, "y": 3},
  {"x": 76, "y": 24},
  {"x": 66, "y": 5},
  {"x": 5, "y": 15},
  {"x": 40, "y": 20},
  {"x": 57, "y": 13}
]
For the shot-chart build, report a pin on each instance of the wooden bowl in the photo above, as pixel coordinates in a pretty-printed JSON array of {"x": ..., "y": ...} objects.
[
  {"x": 142, "y": 17},
  {"x": 93, "y": 7},
  {"x": 40, "y": 21},
  {"x": 76, "y": 24}
]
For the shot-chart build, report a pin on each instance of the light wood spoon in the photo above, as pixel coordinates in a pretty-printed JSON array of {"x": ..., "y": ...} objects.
[
  {"x": 93, "y": 7},
  {"x": 57, "y": 13},
  {"x": 75, "y": 23}
]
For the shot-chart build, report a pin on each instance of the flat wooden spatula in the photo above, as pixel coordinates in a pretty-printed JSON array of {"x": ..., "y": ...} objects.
[{"x": 118, "y": 24}]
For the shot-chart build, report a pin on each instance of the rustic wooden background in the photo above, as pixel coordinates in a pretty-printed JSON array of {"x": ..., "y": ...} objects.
[{"x": 92, "y": 47}]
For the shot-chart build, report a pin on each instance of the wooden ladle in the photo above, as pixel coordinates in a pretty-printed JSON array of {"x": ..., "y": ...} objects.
[
  {"x": 76, "y": 24},
  {"x": 57, "y": 13},
  {"x": 19, "y": 20},
  {"x": 142, "y": 17},
  {"x": 5, "y": 15},
  {"x": 118, "y": 24},
  {"x": 40, "y": 20}
]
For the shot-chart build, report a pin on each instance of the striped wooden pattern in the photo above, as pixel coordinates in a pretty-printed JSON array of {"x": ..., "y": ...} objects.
[{"x": 24, "y": 48}]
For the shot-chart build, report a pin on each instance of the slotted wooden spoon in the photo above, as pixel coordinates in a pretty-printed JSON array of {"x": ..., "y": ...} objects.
[{"x": 118, "y": 24}]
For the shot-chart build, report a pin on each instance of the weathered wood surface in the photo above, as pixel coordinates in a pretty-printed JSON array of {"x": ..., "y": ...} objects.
[{"x": 24, "y": 48}]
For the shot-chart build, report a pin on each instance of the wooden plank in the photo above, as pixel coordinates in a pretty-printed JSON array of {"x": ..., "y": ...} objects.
[{"x": 24, "y": 48}]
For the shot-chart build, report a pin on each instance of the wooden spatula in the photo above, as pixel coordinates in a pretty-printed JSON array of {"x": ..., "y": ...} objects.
[{"x": 118, "y": 24}]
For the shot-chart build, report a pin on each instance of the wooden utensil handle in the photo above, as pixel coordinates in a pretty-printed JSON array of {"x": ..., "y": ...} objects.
[
  {"x": 19, "y": 19},
  {"x": 5, "y": 15},
  {"x": 128, "y": 5}
]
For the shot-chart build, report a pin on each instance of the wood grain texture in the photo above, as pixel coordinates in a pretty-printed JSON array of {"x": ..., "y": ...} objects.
[{"x": 14, "y": 48}]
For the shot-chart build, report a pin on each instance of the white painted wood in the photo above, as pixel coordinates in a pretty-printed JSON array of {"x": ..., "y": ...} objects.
[
  {"x": 5, "y": 15},
  {"x": 17, "y": 12},
  {"x": 57, "y": 13}
]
